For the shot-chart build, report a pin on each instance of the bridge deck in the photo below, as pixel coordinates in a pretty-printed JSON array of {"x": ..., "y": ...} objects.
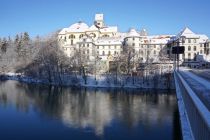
[
  {"x": 198, "y": 84},
  {"x": 193, "y": 94}
]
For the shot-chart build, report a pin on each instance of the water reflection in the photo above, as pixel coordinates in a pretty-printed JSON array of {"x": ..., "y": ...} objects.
[{"x": 95, "y": 109}]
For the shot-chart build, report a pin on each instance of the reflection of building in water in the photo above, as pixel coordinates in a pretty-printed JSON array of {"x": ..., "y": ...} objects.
[
  {"x": 11, "y": 95},
  {"x": 89, "y": 110},
  {"x": 93, "y": 109},
  {"x": 97, "y": 110}
]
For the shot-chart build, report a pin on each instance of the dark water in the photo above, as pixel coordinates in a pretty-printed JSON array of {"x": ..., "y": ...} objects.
[{"x": 29, "y": 112}]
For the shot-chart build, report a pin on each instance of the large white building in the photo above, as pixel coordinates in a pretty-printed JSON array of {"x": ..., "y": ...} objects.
[
  {"x": 106, "y": 42},
  {"x": 196, "y": 48}
]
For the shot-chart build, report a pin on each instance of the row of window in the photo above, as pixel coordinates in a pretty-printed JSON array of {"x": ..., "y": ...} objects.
[
  {"x": 189, "y": 40},
  {"x": 80, "y": 36},
  {"x": 108, "y": 47},
  {"x": 147, "y": 46},
  {"x": 194, "y": 48},
  {"x": 190, "y": 48},
  {"x": 190, "y": 54},
  {"x": 109, "y": 53}
]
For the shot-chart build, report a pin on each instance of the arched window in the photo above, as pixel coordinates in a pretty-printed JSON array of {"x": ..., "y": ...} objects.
[
  {"x": 105, "y": 35},
  {"x": 93, "y": 35},
  {"x": 189, "y": 55},
  {"x": 189, "y": 48},
  {"x": 72, "y": 37},
  {"x": 194, "y": 48},
  {"x": 103, "y": 53},
  {"x": 81, "y": 36}
]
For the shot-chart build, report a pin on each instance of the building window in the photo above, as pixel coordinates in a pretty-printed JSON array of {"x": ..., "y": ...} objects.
[
  {"x": 194, "y": 57},
  {"x": 201, "y": 51},
  {"x": 133, "y": 44},
  {"x": 109, "y": 53},
  {"x": 133, "y": 39},
  {"x": 93, "y": 35},
  {"x": 87, "y": 51},
  {"x": 183, "y": 40},
  {"x": 103, "y": 53},
  {"x": 189, "y": 48},
  {"x": 115, "y": 52},
  {"x": 87, "y": 45},
  {"x": 189, "y": 55},
  {"x": 142, "y": 52},
  {"x": 154, "y": 52},
  {"x": 189, "y": 40},
  {"x": 97, "y": 47},
  {"x": 71, "y": 36},
  {"x": 81, "y": 36},
  {"x": 154, "y": 46},
  {"x": 72, "y": 42},
  {"x": 194, "y": 41},
  {"x": 194, "y": 48}
]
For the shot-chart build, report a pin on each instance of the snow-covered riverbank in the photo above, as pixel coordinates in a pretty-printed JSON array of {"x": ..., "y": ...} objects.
[{"x": 100, "y": 81}]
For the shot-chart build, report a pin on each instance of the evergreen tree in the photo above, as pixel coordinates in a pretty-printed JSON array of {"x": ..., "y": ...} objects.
[
  {"x": 9, "y": 40},
  {"x": 26, "y": 38},
  {"x": 4, "y": 46},
  {"x": 17, "y": 39}
]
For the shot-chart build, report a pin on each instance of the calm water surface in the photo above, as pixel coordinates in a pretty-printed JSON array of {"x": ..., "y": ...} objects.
[{"x": 29, "y": 112}]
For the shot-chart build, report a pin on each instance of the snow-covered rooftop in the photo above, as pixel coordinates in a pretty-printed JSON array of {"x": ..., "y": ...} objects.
[
  {"x": 78, "y": 27},
  {"x": 133, "y": 33},
  {"x": 187, "y": 33},
  {"x": 93, "y": 28},
  {"x": 63, "y": 31}
]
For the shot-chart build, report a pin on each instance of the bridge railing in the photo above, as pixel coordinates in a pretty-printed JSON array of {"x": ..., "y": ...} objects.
[{"x": 198, "y": 115}]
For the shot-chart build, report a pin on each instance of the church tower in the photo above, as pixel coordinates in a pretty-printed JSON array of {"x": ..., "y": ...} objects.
[{"x": 99, "y": 20}]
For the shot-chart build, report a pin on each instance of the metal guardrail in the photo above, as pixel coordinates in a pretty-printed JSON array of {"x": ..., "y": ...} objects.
[{"x": 198, "y": 114}]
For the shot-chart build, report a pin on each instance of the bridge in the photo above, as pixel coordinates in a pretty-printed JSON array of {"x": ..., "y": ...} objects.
[{"x": 193, "y": 96}]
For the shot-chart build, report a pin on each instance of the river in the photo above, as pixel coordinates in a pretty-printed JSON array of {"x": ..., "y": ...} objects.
[{"x": 32, "y": 112}]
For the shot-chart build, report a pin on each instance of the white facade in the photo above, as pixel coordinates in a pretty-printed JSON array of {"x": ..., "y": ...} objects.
[
  {"x": 99, "y": 40},
  {"x": 194, "y": 45}
]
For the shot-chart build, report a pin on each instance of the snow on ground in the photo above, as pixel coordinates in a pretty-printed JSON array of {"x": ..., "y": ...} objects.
[
  {"x": 198, "y": 84},
  {"x": 201, "y": 80},
  {"x": 101, "y": 81},
  {"x": 203, "y": 111}
]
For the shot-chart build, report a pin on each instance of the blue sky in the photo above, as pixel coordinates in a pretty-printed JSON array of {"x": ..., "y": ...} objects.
[{"x": 40, "y": 17}]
